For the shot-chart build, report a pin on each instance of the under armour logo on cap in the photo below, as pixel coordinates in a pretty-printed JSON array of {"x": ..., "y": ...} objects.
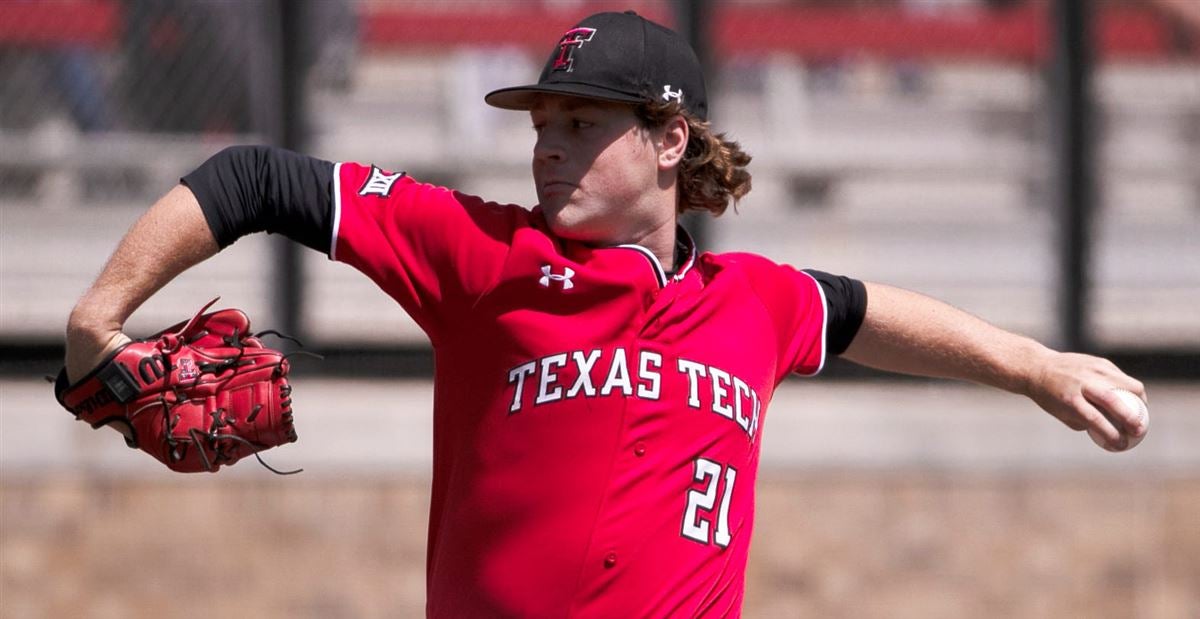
[
  {"x": 564, "y": 279},
  {"x": 571, "y": 41},
  {"x": 669, "y": 94}
]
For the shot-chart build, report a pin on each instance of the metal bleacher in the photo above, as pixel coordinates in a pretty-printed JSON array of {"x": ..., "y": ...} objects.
[
  {"x": 947, "y": 189},
  {"x": 947, "y": 192}
]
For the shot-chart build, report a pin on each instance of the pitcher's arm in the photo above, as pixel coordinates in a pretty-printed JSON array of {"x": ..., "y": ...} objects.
[
  {"x": 169, "y": 238},
  {"x": 910, "y": 333}
]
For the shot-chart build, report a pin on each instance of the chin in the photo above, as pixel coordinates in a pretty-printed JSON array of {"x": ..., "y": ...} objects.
[
  {"x": 566, "y": 223},
  {"x": 567, "y": 230}
]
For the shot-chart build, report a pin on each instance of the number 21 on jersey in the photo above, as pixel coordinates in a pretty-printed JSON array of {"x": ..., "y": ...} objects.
[{"x": 698, "y": 516}]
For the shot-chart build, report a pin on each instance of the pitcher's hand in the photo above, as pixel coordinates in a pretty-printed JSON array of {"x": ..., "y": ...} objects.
[{"x": 1078, "y": 390}]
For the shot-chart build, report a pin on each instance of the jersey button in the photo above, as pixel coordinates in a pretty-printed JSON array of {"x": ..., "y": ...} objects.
[
  {"x": 610, "y": 560},
  {"x": 639, "y": 449}
]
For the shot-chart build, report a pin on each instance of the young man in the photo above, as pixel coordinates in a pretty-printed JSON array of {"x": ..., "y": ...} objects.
[{"x": 601, "y": 386}]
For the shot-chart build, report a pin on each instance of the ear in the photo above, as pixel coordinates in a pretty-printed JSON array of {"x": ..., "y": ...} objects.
[{"x": 672, "y": 143}]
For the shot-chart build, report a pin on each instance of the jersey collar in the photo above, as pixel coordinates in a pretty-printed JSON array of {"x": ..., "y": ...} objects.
[
  {"x": 685, "y": 251},
  {"x": 685, "y": 257}
]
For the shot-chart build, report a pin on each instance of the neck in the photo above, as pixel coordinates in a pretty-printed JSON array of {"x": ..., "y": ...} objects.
[
  {"x": 661, "y": 242},
  {"x": 659, "y": 222}
]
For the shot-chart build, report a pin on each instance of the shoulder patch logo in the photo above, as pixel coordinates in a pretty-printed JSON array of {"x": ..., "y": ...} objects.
[{"x": 379, "y": 183}]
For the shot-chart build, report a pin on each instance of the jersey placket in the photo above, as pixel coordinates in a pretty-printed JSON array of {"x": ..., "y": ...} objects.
[{"x": 635, "y": 473}]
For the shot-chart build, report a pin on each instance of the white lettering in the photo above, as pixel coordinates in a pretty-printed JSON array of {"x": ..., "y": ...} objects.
[
  {"x": 548, "y": 378},
  {"x": 754, "y": 420},
  {"x": 739, "y": 388},
  {"x": 618, "y": 375},
  {"x": 720, "y": 387},
  {"x": 647, "y": 359},
  {"x": 584, "y": 381},
  {"x": 722, "y": 536},
  {"x": 694, "y": 527},
  {"x": 518, "y": 374},
  {"x": 694, "y": 372},
  {"x": 731, "y": 397}
]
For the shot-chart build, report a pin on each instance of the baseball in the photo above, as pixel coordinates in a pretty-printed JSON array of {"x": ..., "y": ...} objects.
[{"x": 1130, "y": 402}]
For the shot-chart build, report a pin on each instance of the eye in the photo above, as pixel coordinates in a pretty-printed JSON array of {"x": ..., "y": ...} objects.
[
  {"x": 537, "y": 127},
  {"x": 577, "y": 123}
]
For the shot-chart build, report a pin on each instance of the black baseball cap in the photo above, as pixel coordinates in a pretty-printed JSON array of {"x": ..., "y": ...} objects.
[{"x": 616, "y": 57}]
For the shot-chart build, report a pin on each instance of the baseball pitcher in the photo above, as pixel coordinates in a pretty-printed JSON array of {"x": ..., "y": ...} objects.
[{"x": 601, "y": 383}]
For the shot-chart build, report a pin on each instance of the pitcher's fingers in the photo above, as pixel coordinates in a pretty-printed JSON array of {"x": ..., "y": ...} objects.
[
  {"x": 1109, "y": 400},
  {"x": 1121, "y": 380},
  {"x": 1097, "y": 421}
]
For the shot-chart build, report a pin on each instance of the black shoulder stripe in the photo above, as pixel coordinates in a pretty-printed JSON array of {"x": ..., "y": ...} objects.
[{"x": 847, "y": 299}]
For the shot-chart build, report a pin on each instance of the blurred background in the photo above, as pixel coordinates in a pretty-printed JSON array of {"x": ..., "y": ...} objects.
[{"x": 1034, "y": 162}]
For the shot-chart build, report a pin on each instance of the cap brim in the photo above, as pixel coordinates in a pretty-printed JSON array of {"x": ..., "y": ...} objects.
[{"x": 523, "y": 97}]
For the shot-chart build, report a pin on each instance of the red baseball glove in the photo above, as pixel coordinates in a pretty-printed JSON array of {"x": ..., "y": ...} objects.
[{"x": 198, "y": 395}]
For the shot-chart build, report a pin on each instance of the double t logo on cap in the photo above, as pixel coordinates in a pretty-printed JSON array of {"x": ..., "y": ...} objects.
[
  {"x": 572, "y": 40},
  {"x": 628, "y": 59}
]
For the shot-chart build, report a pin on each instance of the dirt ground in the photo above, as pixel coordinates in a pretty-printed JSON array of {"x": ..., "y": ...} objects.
[{"x": 848, "y": 544}]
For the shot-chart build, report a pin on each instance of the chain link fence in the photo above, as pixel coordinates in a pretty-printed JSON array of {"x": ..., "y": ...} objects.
[
  {"x": 907, "y": 141},
  {"x": 105, "y": 104}
]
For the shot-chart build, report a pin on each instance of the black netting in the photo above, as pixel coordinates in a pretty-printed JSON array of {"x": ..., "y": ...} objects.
[{"x": 911, "y": 141}]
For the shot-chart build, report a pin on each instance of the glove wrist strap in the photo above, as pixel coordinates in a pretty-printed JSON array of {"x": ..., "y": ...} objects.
[{"x": 117, "y": 379}]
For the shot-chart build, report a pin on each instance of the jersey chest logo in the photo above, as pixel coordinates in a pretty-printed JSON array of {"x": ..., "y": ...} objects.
[
  {"x": 379, "y": 183},
  {"x": 563, "y": 279}
]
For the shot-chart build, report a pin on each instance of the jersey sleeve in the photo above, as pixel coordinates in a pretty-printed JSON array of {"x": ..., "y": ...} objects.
[
  {"x": 815, "y": 314},
  {"x": 432, "y": 249},
  {"x": 845, "y": 308},
  {"x": 245, "y": 189}
]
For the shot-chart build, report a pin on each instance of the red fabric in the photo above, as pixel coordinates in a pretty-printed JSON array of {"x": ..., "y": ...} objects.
[{"x": 555, "y": 496}]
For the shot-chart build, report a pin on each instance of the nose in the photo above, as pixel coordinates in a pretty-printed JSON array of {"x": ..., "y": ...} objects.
[{"x": 549, "y": 146}]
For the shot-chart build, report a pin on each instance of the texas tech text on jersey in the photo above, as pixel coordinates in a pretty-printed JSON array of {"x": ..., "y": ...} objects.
[{"x": 723, "y": 393}]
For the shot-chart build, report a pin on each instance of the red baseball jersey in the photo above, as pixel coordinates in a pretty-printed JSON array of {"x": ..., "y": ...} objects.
[{"x": 597, "y": 422}]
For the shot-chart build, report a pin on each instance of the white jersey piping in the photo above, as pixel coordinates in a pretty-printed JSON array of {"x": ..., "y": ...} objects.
[
  {"x": 661, "y": 273},
  {"x": 824, "y": 325},
  {"x": 658, "y": 270},
  {"x": 691, "y": 260},
  {"x": 337, "y": 209}
]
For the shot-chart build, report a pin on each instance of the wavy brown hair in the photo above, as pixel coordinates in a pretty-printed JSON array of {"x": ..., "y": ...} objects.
[{"x": 713, "y": 171}]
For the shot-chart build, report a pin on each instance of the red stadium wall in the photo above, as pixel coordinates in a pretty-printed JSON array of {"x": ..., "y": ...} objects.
[{"x": 1019, "y": 34}]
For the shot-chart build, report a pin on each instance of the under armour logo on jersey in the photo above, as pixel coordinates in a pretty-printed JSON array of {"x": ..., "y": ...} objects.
[
  {"x": 379, "y": 183},
  {"x": 564, "y": 279},
  {"x": 572, "y": 40},
  {"x": 669, "y": 94}
]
